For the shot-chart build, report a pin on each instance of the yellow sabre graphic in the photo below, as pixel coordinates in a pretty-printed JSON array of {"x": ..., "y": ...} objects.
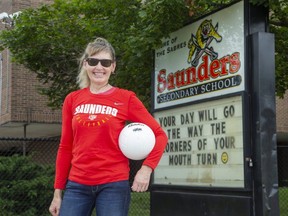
[{"x": 199, "y": 43}]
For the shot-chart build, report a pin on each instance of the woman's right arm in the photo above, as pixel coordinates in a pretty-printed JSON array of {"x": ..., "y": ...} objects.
[
  {"x": 54, "y": 208},
  {"x": 64, "y": 155}
]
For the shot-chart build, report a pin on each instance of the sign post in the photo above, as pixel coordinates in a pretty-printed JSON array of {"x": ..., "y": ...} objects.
[
  {"x": 264, "y": 130},
  {"x": 207, "y": 96}
]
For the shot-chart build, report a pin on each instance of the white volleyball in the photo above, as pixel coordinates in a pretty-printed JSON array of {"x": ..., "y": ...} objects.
[{"x": 136, "y": 141}]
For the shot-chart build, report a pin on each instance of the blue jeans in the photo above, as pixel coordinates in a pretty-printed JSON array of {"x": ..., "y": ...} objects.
[{"x": 110, "y": 199}]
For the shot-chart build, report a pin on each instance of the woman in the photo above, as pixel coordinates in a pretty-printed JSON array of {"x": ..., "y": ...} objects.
[{"x": 90, "y": 166}]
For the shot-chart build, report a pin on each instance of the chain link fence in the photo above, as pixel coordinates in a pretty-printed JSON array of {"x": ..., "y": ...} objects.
[
  {"x": 282, "y": 153},
  {"x": 27, "y": 177}
]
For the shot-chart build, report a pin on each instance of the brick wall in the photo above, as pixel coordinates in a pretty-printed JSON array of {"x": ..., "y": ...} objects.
[
  {"x": 22, "y": 4},
  {"x": 5, "y": 88},
  {"x": 282, "y": 114},
  {"x": 27, "y": 104},
  {"x": 20, "y": 100}
]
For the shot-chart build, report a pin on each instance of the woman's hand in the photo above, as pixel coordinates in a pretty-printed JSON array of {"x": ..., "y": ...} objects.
[
  {"x": 54, "y": 208},
  {"x": 142, "y": 179}
]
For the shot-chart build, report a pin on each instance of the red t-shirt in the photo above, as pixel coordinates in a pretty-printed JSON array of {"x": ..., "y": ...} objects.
[{"x": 91, "y": 123}]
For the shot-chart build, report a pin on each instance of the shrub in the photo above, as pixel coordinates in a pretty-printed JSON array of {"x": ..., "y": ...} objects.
[{"x": 26, "y": 188}]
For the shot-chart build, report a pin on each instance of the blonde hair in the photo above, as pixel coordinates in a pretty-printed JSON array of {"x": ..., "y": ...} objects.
[{"x": 98, "y": 45}]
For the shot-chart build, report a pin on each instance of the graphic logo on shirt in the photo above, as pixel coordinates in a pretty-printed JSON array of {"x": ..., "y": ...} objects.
[
  {"x": 95, "y": 109},
  {"x": 118, "y": 103},
  {"x": 94, "y": 114},
  {"x": 92, "y": 117}
]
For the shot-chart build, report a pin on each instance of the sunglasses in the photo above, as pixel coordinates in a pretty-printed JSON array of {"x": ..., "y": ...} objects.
[{"x": 95, "y": 61}]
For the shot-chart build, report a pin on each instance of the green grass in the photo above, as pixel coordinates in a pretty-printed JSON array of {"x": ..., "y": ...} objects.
[
  {"x": 140, "y": 204},
  {"x": 283, "y": 201}
]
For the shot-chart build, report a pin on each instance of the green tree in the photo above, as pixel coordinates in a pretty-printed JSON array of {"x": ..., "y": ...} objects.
[
  {"x": 49, "y": 40},
  {"x": 279, "y": 26}
]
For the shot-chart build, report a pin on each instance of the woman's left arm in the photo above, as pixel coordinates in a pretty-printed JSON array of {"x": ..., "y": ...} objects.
[{"x": 139, "y": 113}]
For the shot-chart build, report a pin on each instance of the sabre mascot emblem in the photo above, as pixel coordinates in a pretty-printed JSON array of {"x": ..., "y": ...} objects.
[{"x": 199, "y": 43}]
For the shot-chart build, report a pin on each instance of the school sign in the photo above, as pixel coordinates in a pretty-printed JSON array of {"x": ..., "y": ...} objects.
[{"x": 203, "y": 87}]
